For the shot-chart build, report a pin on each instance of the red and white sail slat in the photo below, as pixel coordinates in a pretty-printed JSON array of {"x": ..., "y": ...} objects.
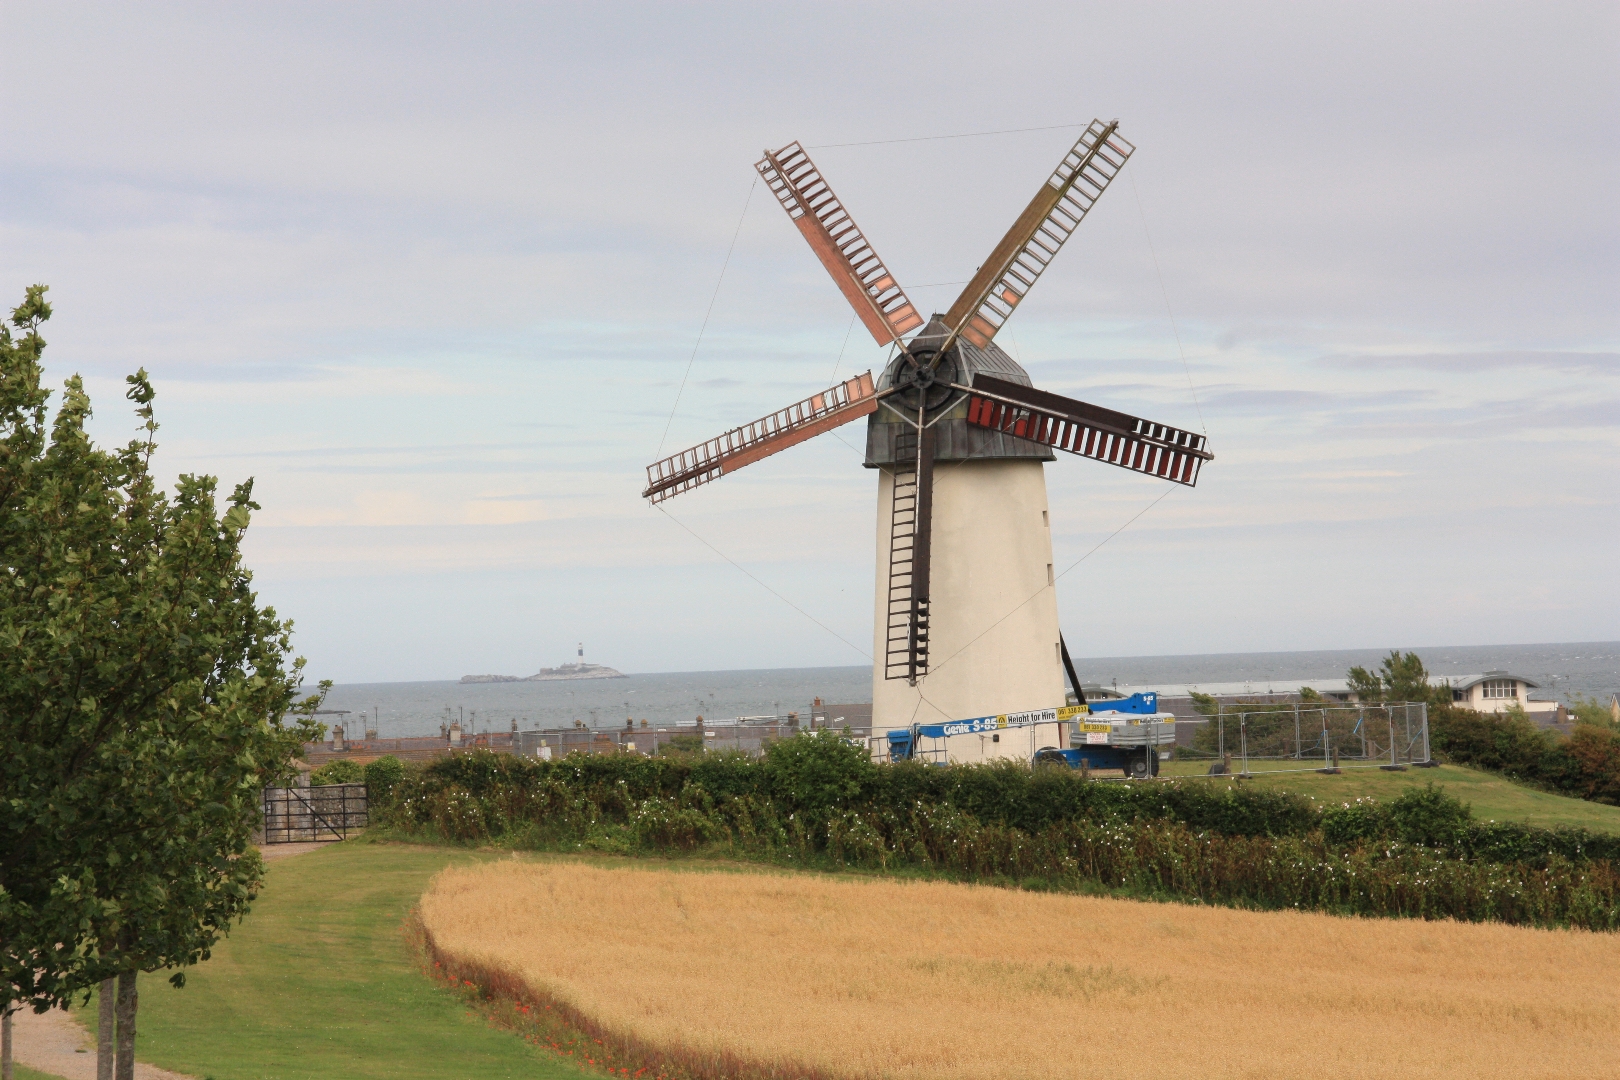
[
  {"x": 1088, "y": 430},
  {"x": 744, "y": 445},
  {"x": 839, "y": 243},
  {"x": 1034, "y": 239}
]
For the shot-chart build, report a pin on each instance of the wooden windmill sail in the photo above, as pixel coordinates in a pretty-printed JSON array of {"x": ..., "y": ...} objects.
[{"x": 949, "y": 394}]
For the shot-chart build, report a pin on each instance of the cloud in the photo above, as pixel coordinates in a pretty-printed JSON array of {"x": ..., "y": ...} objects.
[
  {"x": 1135, "y": 365},
  {"x": 1280, "y": 401},
  {"x": 410, "y": 276},
  {"x": 1571, "y": 363}
]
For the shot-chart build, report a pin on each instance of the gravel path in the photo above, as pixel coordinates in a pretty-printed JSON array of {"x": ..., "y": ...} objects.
[{"x": 55, "y": 1043}]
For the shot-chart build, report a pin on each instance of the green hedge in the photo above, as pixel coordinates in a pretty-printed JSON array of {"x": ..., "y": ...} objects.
[
  {"x": 340, "y": 771},
  {"x": 815, "y": 800},
  {"x": 1432, "y": 819},
  {"x": 815, "y": 776},
  {"x": 381, "y": 777},
  {"x": 1585, "y": 765}
]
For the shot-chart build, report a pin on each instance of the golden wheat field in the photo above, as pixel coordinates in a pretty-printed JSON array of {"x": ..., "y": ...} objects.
[{"x": 912, "y": 980}]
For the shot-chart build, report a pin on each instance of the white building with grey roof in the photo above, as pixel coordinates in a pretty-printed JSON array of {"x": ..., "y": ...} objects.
[{"x": 1497, "y": 691}]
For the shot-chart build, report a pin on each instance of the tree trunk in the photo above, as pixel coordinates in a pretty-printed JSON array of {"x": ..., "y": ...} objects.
[
  {"x": 106, "y": 1024},
  {"x": 5, "y": 1044},
  {"x": 126, "y": 1027}
]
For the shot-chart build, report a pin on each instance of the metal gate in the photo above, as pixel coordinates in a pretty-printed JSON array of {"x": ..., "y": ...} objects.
[{"x": 327, "y": 812}]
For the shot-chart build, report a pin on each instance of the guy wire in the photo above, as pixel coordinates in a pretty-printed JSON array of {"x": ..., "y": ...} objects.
[
  {"x": 710, "y": 311},
  {"x": 840, "y": 361},
  {"x": 1173, "y": 328},
  {"x": 762, "y": 584},
  {"x": 1098, "y": 546}
]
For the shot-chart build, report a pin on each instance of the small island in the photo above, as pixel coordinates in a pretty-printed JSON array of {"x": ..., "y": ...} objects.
[{"x": 580, "y": 670}]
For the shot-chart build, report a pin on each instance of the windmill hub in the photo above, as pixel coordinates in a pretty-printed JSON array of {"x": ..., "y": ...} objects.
[{"x": 921, "y": 381}]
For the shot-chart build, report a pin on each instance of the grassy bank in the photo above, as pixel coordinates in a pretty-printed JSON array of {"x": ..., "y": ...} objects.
[
  {"x": 1493, "y": 797},
  {"x": 319, "y": 983}
]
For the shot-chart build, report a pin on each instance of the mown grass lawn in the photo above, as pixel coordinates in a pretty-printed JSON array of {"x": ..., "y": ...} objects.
[
  {"x": 1492, "y": 797},
  {"x": 23, "y": 1072},
  {"x": 319, "y": 983}
]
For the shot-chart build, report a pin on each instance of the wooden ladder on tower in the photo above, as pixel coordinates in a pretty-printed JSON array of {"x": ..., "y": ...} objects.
[{"x": 906, "y": 650}]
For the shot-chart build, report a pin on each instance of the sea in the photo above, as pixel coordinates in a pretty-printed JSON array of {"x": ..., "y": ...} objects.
[{"x": 400, "y": 709}]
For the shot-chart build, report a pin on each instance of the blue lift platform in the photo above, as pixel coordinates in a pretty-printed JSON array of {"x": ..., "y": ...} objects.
[{"x": 1122, "y": 734}]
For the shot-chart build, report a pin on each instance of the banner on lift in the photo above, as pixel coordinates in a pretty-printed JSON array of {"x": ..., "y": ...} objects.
[{"x": 1001, "y": 722}]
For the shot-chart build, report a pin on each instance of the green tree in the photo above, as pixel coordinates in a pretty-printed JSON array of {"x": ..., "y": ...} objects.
[
  {"x": 382, "y": 777},
  {"x": 1595, "y": 752},
  {"x": 1589, "y": 710},
  {"x": 1405, "y": 678},
  {"x": 681, "y": 744},
  {"x": 1364, "y": 684},
  {"x": 1507, "y": 742},
  {"x": 143, "y": 692},
  {"x": 1401, "y": 677},
  {"x": 818, "y": 772}
]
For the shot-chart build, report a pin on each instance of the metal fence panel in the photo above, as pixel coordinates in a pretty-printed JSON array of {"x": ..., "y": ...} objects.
[
  {"x": 1314, "y": 735},
  {"x": 301, "y": 815}
]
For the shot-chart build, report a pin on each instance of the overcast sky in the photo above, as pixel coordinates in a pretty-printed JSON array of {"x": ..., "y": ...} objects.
[{"x": 432, "y": 275}]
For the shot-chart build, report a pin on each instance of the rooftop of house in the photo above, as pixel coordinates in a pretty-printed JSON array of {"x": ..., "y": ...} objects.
[{"x": 1469, "y": 681}]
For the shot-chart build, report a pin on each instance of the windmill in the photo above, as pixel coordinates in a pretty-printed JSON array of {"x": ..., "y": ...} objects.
[{"x": 959, "y": 435}]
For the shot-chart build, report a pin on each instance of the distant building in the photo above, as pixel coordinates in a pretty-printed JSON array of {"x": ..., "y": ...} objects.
[{"x": 1498, "y": 691}]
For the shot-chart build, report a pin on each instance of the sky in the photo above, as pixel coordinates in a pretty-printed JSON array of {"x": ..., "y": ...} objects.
[{"x": 443, "y": 279}]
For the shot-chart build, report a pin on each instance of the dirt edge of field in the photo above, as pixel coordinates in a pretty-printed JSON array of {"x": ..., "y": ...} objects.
[{"x": 547, "y": 1022}]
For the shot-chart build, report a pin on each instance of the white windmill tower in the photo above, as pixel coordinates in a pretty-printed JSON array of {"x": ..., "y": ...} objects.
[{"x": 966, "y": 612}]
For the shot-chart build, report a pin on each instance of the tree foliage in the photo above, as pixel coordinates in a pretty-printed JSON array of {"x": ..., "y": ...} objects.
[
  {"x": 1596, "y": 754},
  {"x": 682, "y": 744},
  {"x": 341, "y": 771},
  {"x": 818, "y": 772},
  {"x": 1589, "y": 710},
  {"x": 142, "y": 694},
  {"x": 1401, "y": 677},
  {"x": 381, "y": 777}
]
